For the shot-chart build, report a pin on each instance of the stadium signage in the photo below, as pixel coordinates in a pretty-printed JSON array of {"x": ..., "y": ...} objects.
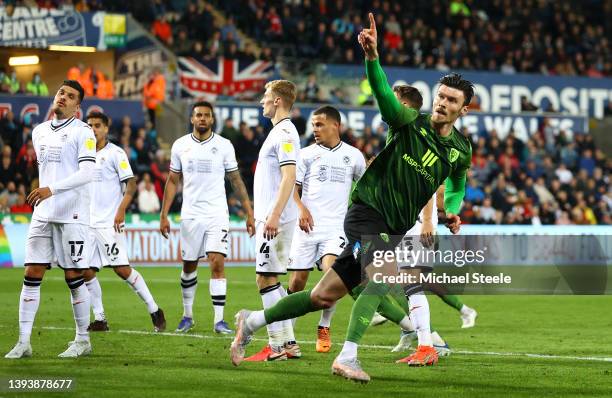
[
  {"x": 40, "y": 27},
  {"x": 502, "y": 93},
  {"x": 38, "y": 109},
  {"x": 356, "y": 118}
]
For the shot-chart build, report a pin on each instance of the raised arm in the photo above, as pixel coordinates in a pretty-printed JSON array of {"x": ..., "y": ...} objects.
[{"x": 392, "y": 111}]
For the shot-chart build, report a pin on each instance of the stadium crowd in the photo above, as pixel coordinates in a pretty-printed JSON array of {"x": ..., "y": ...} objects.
[
  {"x": 548, "y": 37},
  {"x": 550, "y": 179}
]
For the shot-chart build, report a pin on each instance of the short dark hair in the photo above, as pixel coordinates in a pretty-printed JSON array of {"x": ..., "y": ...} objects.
[
  {"x": 203, "y": 103},
  {"x": 455, "y": 80},
  {"x": 77, "y": 86},
  {"x": 98, "y": 115},
  {"x": 409, "y": 94},
  {"x": 329, "y": 111}
]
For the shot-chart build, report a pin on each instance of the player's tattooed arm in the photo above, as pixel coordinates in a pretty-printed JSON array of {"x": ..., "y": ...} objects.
[
  {"x": 169, "y": 194},
  {"x": 427, "y": 232},
  {"x": 243, "y": 196},
  {"x": 128, "y": 196}
]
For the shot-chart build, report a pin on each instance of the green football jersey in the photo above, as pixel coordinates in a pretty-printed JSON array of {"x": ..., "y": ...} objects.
[{"x": 413, "y": 164}]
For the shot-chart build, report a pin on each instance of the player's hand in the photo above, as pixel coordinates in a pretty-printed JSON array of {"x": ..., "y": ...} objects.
[
  {"x": 250, "y": 225},
  {"x": 164, "y": 226},
  {"x": 368, "y": 38},
  {"x": 453, "y": 222},
  {"x": 119, "y": 222},
  {"x": 38, "y": 195},
  {"x": 305, "y": 220},
  {"x": 427, "y": 234},
  {"x": 271, "y": 227}
]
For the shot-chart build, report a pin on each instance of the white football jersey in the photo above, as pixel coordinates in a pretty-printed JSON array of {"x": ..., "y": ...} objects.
[
  {"x": 60, "y": 146},
  {"x": 327, "y": 176},
  {"x": 112, "y": 168},
  {"x": 281, "y": 148},
  {"x": 203, "y": 165}
]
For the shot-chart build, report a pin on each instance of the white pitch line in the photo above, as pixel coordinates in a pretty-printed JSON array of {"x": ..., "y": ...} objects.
[
  {"x": 176, "y": 281},
  {"x": 377, "y": 347}
]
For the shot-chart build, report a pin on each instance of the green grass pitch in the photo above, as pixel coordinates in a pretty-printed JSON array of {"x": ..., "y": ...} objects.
[{"x": 568, "y": 333}]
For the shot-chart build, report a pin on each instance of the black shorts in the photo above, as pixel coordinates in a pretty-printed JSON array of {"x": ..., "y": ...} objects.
[{"x": 366, "y": 231}]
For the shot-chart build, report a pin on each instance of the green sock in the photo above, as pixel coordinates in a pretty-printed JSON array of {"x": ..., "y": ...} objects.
[
  {"x": 391, "y": 310},
  {"x": 361, "y": 315},
  {"x": 453, "y": 301},
  {"x": 292, "y": 306},
  {"x": 363, "y": 310}
]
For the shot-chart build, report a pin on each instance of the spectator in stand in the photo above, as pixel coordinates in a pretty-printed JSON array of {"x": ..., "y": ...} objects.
[
  {"x": 298, "y": 121},
  {"x": 311, "y": 89},
  {"x": 21, "y": 207},
  {"x": 10, "y": 129},
  {"x": 11, "y": 82},
  {"x": 587, "y": 162},
  {"x": 154, "y": 93},
  {"x": 148, "y": 201},
  {"x": 76, "y": 72},
  {"x": 229, "y": 131},
  {"x": 159, "y": 170},
  {"x": 37, "y": 87},
  {"x": 162, "y": 29}
]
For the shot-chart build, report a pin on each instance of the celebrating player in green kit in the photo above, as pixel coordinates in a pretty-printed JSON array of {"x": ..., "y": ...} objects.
[{"x": 424, "y": 152}]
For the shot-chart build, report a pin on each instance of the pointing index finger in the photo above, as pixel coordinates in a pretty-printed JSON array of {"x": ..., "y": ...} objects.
[{"x": 372, "y": 22}]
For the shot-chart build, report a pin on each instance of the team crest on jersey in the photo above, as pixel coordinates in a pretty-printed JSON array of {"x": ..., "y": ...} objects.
[
  {"x": 322, "y": 173},
  {"x": 214, "y": 150},
  {"x": 346, "y": 160},
  {"x": 64, "y": 137},
  {"x": 454, "y": 155}
]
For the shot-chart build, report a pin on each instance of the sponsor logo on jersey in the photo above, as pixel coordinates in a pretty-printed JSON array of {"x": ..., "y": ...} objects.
[
  {"x": 419, "y": 168},
  {"x": 429, "y": 158},
  {"x": 423, "y": 132},
  {"x": 123, "y": 165}
]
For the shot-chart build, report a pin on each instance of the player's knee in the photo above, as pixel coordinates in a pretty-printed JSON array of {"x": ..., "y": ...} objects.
[
  {"x": 89, "y": 274},
  {"x": 190, "y": 266},
  {"x": 123, "y": 272},
  {"x": 321, "y": 300},
  {"x": 34, "y": 271}
]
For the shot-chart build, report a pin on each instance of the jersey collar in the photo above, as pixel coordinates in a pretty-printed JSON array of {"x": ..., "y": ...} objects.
[
  {"x": 282, "y": 120},
  {"x": 331, "y": 149},
  {"x": 193, "y": 137},
  {"x": 61, "y": 124}
]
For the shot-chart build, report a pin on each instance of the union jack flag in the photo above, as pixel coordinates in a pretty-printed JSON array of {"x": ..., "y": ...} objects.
[{"x": 198, "y": 80}]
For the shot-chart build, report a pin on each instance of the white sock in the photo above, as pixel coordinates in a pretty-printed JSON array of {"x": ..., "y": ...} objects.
[
  {"x": 139, "y": 286},
  {"x": 289, "y": 337},
  {"x": 80, "y": 307},
  {"x": 465, "y": 310},
  {"x": 28, "y": 306},
  {"x": 270, "y": 296},
  {"x": 406, "y": 324},
  {"x": 95, "y": 292},
  {"x": 189, "y": 283},
  {"x": 349, "y": 351},
  {"x": 419, "y": 313},
  {"x": 326, "y": 316},
  {"x": 256, "y": 321},
  {"x": 218, "y": 290}
]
